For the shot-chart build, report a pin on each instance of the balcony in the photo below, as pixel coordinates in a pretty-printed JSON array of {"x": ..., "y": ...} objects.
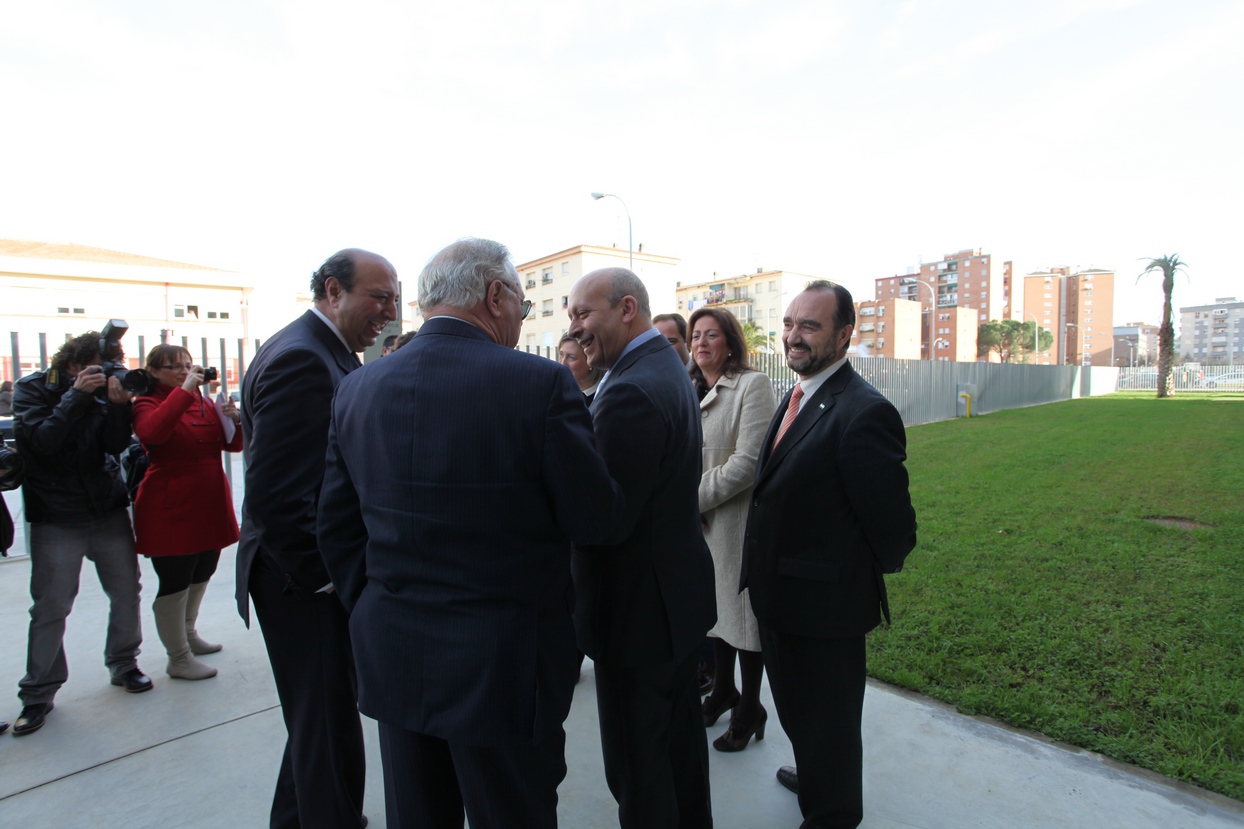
[
  {"x": 531, "y": 283},
  {"x": 546, "y": 279},
  {"x": 548, "y": 312}
]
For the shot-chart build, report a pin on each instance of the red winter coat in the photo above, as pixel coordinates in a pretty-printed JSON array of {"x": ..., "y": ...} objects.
[{"x": 184, "y": 504}]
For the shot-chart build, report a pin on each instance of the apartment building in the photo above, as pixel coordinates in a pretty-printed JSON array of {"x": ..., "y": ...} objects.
[
  {"x": 54, "y": 291},
  {"x": 759, "y": 297},
  {"x": 887, "y": 328},
  {"x": 547, "y": 281},
  {"x": 967, "y": 279},
  {"x": 1079, "y": 308},
  {"x": 1135, "y": 344},
  {"x": 1213, "y": 333}
]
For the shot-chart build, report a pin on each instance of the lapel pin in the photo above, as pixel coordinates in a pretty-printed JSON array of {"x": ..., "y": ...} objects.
[{"x": 822, "y": 405}]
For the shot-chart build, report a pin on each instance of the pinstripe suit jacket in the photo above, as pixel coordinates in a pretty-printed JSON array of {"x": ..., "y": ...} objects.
[{"x": 458, "y": 472}]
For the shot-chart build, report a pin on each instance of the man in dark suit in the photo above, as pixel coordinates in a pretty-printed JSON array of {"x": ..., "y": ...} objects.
[
  {"x": 459, "y": 471},
  {"x": 286, "y": 397},
  {"x": 646, "y": 599},
  {"x": 830, "y": 513}
]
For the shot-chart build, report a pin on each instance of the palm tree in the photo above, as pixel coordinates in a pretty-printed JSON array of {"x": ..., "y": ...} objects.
[
  {"x": 755, "y": 337},
  {"x": 1169, "y": 265}
]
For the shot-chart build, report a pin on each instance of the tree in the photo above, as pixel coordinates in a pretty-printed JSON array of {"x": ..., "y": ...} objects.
[
  {"x": 1169, "y": 265},
  {"x": 1008, "y": 339},
  {"x": 755, "y": 337}
]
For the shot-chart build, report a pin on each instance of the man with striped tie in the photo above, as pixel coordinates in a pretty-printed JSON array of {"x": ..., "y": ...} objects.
[{"x": 830, "y": 513}]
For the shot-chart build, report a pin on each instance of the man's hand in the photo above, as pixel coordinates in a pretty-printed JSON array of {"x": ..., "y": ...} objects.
[
  {"x": 90, "y": 379},
  {"x": 117, "y": 393}
]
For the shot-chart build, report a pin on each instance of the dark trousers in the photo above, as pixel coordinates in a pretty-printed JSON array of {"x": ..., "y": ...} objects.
[
  {"x": 429, "y": 783},
  {"x": 818, "y": 688},
  {"x": 655, "y": 748},
  {"x": 323, "y": 771},
  {"x": 177, "y": 573}
]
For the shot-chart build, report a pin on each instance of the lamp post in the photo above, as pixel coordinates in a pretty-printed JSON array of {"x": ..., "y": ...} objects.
[
  {"x": 1036, "y": 336},
  {"x": 629, "y": 248},
  {"x": 932, "y": 305}
]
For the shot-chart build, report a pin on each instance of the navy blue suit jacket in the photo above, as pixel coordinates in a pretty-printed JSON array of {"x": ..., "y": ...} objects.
[
  {"x": 458, "y": 472},
  {"x": 830, "y": 513},
  {"x": 286, "y": 397},
  {"x": 649, "y": 594}
]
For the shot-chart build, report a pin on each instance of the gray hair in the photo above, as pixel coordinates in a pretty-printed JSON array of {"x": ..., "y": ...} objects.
[
  {"x": 458, "y": 276},
  {"x": 624, "y": 283}
]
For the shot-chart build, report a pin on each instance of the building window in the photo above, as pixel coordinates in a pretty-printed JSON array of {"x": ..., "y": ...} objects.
[
  {"x": 224, "y": 315},
  {"x": 546, "y": 276},
  {"x": 62, "y": 310},
  {"x": 565, "y": 268},
  {"x": 211, "y": 315}
]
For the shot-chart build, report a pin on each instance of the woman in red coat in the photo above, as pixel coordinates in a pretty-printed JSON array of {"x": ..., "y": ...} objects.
[{"x": 183, "y": 513}]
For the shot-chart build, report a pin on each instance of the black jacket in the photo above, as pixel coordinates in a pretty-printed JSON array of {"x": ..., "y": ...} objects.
[
  {"x": 68, "y": 442},
  {"x": 831, "y": 512}
]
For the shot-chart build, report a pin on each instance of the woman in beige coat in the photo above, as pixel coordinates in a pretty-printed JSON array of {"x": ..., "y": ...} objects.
[{"x": 736, "y": 404}]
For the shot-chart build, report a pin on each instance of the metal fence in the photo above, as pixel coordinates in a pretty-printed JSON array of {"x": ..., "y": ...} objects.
[
  {"x": 1186, "y": 378},
  {"x": 925, "y": 391}
]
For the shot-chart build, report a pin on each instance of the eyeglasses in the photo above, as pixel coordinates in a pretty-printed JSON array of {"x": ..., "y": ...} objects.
[
  {"x": 527, "y": 303},
  {"x": 176, "y": 366}
]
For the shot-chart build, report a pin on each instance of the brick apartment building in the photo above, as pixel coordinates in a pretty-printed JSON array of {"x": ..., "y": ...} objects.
[
  {"x": 964, "y": 285},
  {"x": 1135, "y": 344},
  {"x": 887, "y": 328},
  {"x": 1079, "y": 309}
]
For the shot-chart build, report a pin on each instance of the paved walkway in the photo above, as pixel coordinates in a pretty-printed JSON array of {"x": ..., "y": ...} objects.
[{"x": 205, "y": 754}]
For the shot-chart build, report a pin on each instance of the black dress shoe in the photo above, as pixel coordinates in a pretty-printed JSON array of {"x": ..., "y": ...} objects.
[
  {"x": 32, "y": 718},
  {"x": 788, "y": 778},
  {"x": 704, "y": 678},
  {"x": 712, "y": 711},
  {"x": 3, "y": 727},
  {"x": 134, "y": 681}
]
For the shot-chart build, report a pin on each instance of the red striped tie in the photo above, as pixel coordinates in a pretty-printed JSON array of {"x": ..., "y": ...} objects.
[{"x": 792, "y": 409}]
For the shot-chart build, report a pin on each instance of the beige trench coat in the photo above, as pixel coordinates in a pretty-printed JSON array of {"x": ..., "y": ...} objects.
[{"x": 736, "y": 414}]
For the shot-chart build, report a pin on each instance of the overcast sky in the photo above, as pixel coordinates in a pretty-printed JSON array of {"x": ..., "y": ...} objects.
[{"x": 842, "y": 139}]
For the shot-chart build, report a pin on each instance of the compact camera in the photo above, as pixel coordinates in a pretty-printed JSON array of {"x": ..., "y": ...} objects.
[
  {"x": 210, "y": 375},
  {"x": 135, "y": 381}
]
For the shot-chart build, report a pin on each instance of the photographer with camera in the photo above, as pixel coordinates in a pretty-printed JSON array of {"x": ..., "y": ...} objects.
[
  {"x": 183, "y": 514},
  {"x": 70, "y": 422}
]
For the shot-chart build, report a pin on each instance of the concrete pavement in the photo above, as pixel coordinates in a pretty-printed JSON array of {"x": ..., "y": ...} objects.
[{"x": 205, "y": 754}]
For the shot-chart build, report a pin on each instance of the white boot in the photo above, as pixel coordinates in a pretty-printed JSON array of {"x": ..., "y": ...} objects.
[
  {"x": 194, "y": 598},
  {"x": 170, "y": 618}
]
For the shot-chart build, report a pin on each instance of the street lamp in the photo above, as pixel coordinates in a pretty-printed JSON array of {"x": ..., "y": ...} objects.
[
  {"x": 932, "y": 304},
  {"x": 1036, "y": 336},
  {"x": 629, "y": 251}
]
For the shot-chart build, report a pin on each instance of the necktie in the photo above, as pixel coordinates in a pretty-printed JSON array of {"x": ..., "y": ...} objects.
[{"x": 792, "y": 409}]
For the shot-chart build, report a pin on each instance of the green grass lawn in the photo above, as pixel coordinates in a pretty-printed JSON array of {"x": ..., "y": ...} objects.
[{"x": 1039, "y": 594}]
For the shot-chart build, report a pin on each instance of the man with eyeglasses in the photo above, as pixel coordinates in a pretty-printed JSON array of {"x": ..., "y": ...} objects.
[
  {"x": 449, "y": 542},
  {"x": 70, "y": 423},
  {"x": 286, "y": 397}
]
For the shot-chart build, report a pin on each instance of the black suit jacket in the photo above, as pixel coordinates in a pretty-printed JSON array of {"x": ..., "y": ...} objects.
[
  {"x": 648, "y": 595},
  {"x": 830, "y": 513},
  {"x": 286, "y": 399},
  {"x": 458, "y": 473}
]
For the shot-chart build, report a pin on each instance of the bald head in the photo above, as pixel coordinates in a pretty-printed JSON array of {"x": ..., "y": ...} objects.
[{"x": 608, "y": 308}]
